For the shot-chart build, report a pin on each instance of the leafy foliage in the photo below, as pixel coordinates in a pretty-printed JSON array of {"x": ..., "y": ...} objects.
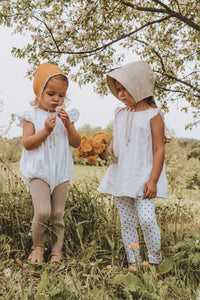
[
  {"x": 95, "y": 265},
  {"x": 88, "y": 38},
  {"x": 10, "y": 149}
]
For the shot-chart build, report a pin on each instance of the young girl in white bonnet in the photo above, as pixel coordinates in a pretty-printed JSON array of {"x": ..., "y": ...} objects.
[
  {"x": 138, "y": 142},
  {"x": 46, "y": 162}
]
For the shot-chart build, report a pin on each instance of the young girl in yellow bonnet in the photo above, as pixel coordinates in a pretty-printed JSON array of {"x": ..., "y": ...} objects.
[{"x": 46, "y": 162}]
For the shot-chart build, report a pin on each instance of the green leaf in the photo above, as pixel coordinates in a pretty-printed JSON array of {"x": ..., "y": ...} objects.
[
  {"x": 149, "y": 279},
  {"x": 118, "y": 279},
  {"x": 133, "y": 283},
  {"x": 111, "y": 243},
  {"x": 130, "y": 281},
  {"x": 165, "y": 266},
  {"x": 87, "y": 253}
]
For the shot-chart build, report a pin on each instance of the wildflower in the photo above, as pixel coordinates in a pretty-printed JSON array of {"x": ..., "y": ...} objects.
[
  {"x": 72, "y": 28},
  {"x": 145, "y": 263},
  {"x": 92, "y": 160},
  {"x": 134, "y": 246},
  {"x": 109, "y": 267},
  {"x": 132, "y": 268},
  {"x": 7, "y": 272},
  {"x": 191, "y": 94},
  {"x": 78, "y": 155},
  {"x": 120, "y": 241},
  {"x": 93, "y": 146},
  {"x": 87, "y": 148}
]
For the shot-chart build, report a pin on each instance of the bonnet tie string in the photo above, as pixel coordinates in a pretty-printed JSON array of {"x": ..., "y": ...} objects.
[
  {"x": 130, "y": 110},
  {"x": 52, "y": 134}
]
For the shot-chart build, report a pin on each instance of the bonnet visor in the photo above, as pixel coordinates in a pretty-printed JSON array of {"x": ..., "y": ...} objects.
[
  {"x": 42, "y": 75},
  {"x": 136, "y": 77}
]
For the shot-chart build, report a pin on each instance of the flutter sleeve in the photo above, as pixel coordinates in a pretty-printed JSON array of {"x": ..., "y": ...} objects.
[
  {"x": 156, "y": 111},
  {"x": 25, "y": 115},
  {"x": 73, "y": 115}
]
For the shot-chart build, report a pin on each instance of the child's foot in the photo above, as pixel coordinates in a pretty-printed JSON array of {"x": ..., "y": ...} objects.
[
  {"x": 159, "y": 276},
  {"x": 55, "y": 257},
  {"x": 36, "y": 256}
]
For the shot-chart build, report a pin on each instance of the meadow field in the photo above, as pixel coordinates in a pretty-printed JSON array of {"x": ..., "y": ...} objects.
[{"x": 94, "y": 264}]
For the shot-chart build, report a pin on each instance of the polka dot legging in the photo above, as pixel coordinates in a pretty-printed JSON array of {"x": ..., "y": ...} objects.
[{"x": 130, "y": 210}]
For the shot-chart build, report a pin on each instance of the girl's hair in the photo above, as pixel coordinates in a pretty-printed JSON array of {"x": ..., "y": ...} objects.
[
  {"x": 150, "y": 101},
  {"x": 36, "y": 101}
]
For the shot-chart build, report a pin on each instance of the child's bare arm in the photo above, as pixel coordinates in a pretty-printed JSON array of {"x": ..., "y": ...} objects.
[
  {"x": 157, "y": 128},
  {"x": 30, "y": 139},
  {"x": 73, "y": 136},
  {"x": 110, "y": 148}
]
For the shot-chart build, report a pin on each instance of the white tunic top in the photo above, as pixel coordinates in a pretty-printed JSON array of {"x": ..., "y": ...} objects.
[
  {"x": 52, "y": 160},
  {"x": 129, "y": 176}
]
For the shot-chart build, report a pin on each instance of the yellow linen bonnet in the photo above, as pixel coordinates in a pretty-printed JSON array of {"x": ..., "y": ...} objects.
[{"x": 43, "y": 73}]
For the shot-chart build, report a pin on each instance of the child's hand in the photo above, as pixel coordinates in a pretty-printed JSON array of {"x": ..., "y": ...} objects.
[
  {"x": 150, "y": 190},
  {"x": 104, "y": 155},
  {"x": 64, "y": 117},
  {"x": 50, "y": 123}
]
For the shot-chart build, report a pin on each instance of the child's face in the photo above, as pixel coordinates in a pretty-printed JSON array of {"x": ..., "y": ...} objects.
[
  {"x": 53, "y": 94},
  {"x": 124, "y": 95}
]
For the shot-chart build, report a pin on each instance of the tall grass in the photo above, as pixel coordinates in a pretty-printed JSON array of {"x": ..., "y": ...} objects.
[{"x": 95, "y": 265}]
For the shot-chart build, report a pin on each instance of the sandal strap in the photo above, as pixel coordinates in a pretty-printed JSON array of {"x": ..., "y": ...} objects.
[
  {"x": 36, "y": 255},
  {"x": 55, "y": 257},
  {"x": 55, "y": 253},
  {"x": 37, "y": 248}
]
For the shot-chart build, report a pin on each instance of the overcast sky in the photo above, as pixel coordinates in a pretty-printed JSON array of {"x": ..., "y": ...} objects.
[{"x": 16, "y": 92}]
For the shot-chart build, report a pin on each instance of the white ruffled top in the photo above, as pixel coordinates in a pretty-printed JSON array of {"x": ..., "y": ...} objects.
[
  {"x": 129, "y": 176},
  {"x": 52, "y": 160}
]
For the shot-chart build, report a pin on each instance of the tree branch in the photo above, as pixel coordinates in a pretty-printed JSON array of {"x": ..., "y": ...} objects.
[
  {"x": 166, "y": 10},
  {"x": 178, "y": 15},
  {"x": 136, "y": 7},
  {"x": 164, "y": 69},
  {"x": 49, "y": 30},
  {"x": 112, "y": 42}
]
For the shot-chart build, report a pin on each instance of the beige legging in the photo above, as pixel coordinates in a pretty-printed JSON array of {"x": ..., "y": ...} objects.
[{"x": 51, "y": 207}]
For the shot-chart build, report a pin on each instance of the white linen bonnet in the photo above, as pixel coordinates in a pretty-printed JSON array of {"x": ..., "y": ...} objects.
[{"x": 137, "y": 77}]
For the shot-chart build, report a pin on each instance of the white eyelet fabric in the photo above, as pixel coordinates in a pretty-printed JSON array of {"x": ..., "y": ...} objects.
[
  {"x": 129, "y": 176},
  {"x": 52, "y": 160}
]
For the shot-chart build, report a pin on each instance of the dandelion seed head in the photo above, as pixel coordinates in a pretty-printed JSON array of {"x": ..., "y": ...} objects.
[{"x": 7, "y": 272}]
